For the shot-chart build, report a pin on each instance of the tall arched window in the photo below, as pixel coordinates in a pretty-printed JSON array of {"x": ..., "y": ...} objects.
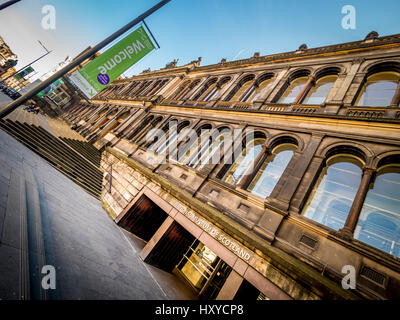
[
  {"x": 379, "y": 221},
  {"x": 180, "y": 91},
  {"x": 334, "y": 192},
  {"x": 271, "y": 170},
  {"x": 215, "y": 91},
  {"x": 293, "y": 90},
  {"x": 143, "y": 135},
  {"x": 379, "y": 89},
  {"x": 189, "y": 149},
  {"x": 172, "y": 137},
  {"x": 257, "y": 90},
  {"x": 242, "y": 164},
  {"x": 320, "y": 91},
  {"x": 205, "y": 89},
  {"x": 210, "y": 149},
  {"x": 238, "y": 91}
]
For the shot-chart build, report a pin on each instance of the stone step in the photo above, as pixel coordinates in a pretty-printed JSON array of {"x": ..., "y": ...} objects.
[
  {"x": 92, "y": 184},
  {"x": 53, "y": 149}
]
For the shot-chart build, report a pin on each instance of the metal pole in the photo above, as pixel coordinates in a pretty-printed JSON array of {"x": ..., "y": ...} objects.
[
  {"x": 8, "y": 3},
  {"x": 35, "y": 90}
]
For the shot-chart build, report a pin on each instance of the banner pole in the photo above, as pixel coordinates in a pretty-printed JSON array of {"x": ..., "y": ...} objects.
[{"x": 35, "y": 90}]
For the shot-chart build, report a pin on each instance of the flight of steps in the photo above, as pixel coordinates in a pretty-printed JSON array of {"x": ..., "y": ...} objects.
[
  {"x": 84, "y": 148},
  {"x": 80, "y": 162}
]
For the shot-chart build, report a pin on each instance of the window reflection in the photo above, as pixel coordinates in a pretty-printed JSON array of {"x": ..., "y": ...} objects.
[
  {"x": 334, "y": 192},
  {"x": 379, "y": 222},
  {"x": 210, "y": 150},
  {"x": 271, "y": 170},
  {"x": 255, "y": 92},
  {"x": 241, "y": 90},
  {"x": 241, "y": 166},
  {"x": 293, "y": 90},
  {"x": 320, "y": 91},
  {"x": 379, "y": 90}
]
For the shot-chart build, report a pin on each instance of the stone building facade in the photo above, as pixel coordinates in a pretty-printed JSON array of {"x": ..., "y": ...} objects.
[{"x": 312, "y": 198}]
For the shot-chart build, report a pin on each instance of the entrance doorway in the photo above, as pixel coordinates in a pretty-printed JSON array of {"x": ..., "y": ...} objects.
[
  {"x": 143, "y": 219},
  {"x": 170, "y": 248},
  {"x": 203, "y": 270}
]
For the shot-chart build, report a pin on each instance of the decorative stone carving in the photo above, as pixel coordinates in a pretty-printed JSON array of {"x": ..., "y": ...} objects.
[
  {"x": 172, "y": 64},
  {"x": 372, "y": 35},
  {"x": 303, "y": 47}
]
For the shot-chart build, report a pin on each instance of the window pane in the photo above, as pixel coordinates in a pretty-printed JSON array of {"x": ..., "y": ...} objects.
[
  {"x": 271, "y": 171},
  {"x": 379, "y": 222},
  {"x": 259, "y": 90},
  {"x": 241, "y": 90},
  {"x": 379, "y": 90},
  {"x": 319, "y": 92},
  {"x": 246, "y": 159},
  {"x": 333, "y": 194},
  {"x": 293, "y": 90}
]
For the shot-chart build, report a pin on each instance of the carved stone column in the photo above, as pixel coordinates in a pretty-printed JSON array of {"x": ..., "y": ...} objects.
[
  {"x": 300, "y": 97},
  {"x": 355, "y": 210},
  {"x": 396, "y": 98}
]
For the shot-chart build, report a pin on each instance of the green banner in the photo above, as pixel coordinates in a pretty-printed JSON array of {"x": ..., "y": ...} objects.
[{"x": 104, "y": 69}]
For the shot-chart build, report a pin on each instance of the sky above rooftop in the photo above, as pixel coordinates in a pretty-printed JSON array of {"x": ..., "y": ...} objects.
[{"x": 188, "y": 29}]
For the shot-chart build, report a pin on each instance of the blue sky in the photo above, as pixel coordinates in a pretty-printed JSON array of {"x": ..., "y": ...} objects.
[{"x": 187, "y": 29}]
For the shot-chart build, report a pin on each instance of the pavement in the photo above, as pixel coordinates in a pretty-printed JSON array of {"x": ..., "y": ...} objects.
[
  {"x": 4, "y": 99},
  {"x": 46, "y": 219}
]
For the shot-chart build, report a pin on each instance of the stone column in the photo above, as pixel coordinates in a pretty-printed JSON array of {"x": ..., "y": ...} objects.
[
  {"x": 355, "y": 210},
  {"x": 230, "y": 287},
  {"x": 396, "y": 98},
  {"x": 300, "y": 97}
]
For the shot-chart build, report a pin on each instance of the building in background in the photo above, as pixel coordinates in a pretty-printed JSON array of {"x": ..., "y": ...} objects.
[{"x": 13, "y": 81}]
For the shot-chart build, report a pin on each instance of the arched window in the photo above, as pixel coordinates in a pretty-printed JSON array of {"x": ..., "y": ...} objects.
[
  {"x": 242, "y": 164},
  {"x": 334, "y": 192},
  {"x": 320, "y": 91},
  {"x": 379, "y": 222},
  {"x": 256, "y": 90},
  {"x": 379, "y": 89},
  {"x": 181, "y": 90},
  {"x": 240, "y": 89},
  {"x": 210, "y": 150},
  {"x": 189, "y": 90},
  {"x": 190, "y": 148},
  {"x": 205, "y": 89},
  {"x": 293, "y": 90},
  {"x": 215, "y": 91},
  {"x": 271, "y": 170},
  {"x": 172, "y": 135}
]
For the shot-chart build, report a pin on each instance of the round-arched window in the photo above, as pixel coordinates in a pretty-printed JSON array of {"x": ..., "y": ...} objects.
[
  {"x": 379, "y": 221},
  {"x": 379, "y": 89},
  {"x": 271, "y": 170},
  {"x": 334, "y": 192}
]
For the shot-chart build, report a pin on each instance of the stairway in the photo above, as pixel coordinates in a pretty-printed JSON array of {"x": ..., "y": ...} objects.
[
  {"x": 79, "y": 162},
  {"x": 86, "y": 149}
]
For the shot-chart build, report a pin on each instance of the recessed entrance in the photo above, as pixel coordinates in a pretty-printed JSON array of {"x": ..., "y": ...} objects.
[
  {"x": 170, "y": 248},
  {"x": 247, "y": 292},
  {"x": 203, "y": 270},
  {"x": 143, "y": 219}
]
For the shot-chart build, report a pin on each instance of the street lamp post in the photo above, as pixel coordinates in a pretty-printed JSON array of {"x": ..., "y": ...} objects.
[{"x": 15, "y": 104}]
